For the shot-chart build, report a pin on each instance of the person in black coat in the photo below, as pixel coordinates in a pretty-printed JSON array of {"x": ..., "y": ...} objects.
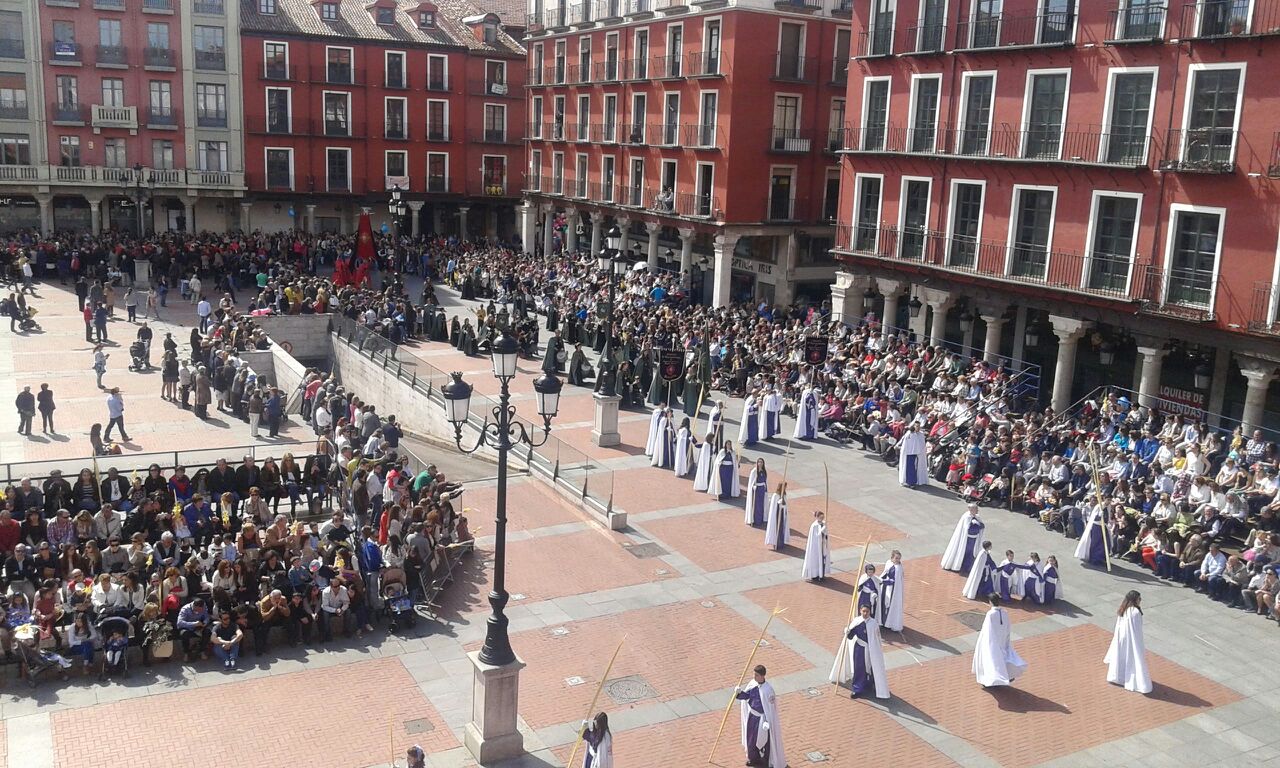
[
  {"x": 25, "y": 402},
  {"x": 553, "y": 360},
  {"x": 46, "y": 406},
  {"x": 247, "y": 476}
]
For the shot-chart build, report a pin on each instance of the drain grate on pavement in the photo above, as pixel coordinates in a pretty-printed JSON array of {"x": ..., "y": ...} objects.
[
  {"x": 646, "y": 550},
  {"x": 575, "y": 680},
  {"x": 421, "y": 725},
  {"x": 629, "y": 689},
  {"x": 971, "y": 619},
  {"x": 815, "y": 757}
]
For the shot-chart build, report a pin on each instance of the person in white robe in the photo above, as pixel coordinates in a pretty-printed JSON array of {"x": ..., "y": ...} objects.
[
  {"x": 725, "y": 483},
  {"x": 749, "y": 427},
  {"x": 1126, "y": 658},
  {"x": 664, "y": 446},
  {"x": 807, "y": 416},
  {"x": 1009, "y": 578},
  {"x": 861, "y": 661},
  {"x": 869, "y": 589},
  {"x": 892, "y": 586},
  {"x": 715, "y": 425},
  {"x": 1033, "y": 580},
  {"x": 757, "y": 492},
  {"x": 966, "y": 542},
  {"x": 684, "y": 449},
  {"x": 995, "y": 662},
  {"x": 1092, "y": 547},
  {"x": 778, "y": 531},
  {"x": 706, "y": 460},
  {"x": 913, "y": 464},
  {"x": 982, "y": 575},
  {"x": 654, "y": 432},
  {"x": 772, "y": 412},
  {"x": 817, "y": 550},
  {"x": 598, "y": 740},
  {"x": 761, "y": 726}
]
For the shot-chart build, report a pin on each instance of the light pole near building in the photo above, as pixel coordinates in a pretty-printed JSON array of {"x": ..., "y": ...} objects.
[
  {"x": 133, "y": 186},
  {"x": 605, "y": 429},
  {"x": 396, "y": 207},
  {"x": 492, "y": 733}
]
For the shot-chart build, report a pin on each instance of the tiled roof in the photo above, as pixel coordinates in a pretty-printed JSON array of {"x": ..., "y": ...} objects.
[
  {"x": 355, "y": 20},
  {"x": 512, "y": 12}
]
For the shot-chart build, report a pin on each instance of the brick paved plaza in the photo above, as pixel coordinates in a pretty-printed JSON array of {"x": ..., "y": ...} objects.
[{"x": 690, "y": 606}]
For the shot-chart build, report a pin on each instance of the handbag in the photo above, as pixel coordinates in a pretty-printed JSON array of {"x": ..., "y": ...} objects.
[{"x": 561, "y": 356}]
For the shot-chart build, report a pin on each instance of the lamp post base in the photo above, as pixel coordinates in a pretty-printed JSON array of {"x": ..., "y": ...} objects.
[
  {"x": 492, "y": 734},
  {"x": 605, "y": 431}
]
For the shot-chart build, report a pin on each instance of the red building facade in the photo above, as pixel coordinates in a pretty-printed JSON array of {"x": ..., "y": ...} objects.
[
  {"x": 346, "y": 100},
  {"x": 1099, "y": 177},
  {"x": 704, "y": 131}
]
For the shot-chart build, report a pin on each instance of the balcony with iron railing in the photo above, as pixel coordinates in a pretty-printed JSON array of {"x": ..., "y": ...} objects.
[
  {"x": 1187, "y": 294},
  {"x": 843, "y": 9},
  {"x": 489, "y": 185},
  {"x": 1032, "y": 264},
  {"x": 602, "y": 192},
  {"x": 211, "y": 119},
  {"x": 157, "y": 6},
  {"x": 1222, "y": 19},
  {"x": 279, "y": 71},
  {"x": 209, "y": 7},
  {"x": 667, "y": 67},
  {"x": 639, "y": 7},
  {"x": 1003, "y": 31},
  {"x": 338, "y": 127},
  {"x": 790, "y": 140},
  {"x": 636, "y": 69},
  {"x": 211, "y": 60},
  {"x": 608, "y": 70},
  {"x": 533, "y": 77},
  {"x": 13, "y": 112},
  {"x": 395, "y": 130},
  {"x": 64, "y": 113},
  {"x": 556, "y": 18},
  {"x": 494, "y": 136},
  {"x": 1130, "y": 23},
  {"x": 1072, "y": 144},
  {"x": 580, "y": 13},
  {"x": 108, "y": 5},
  {"x": 164, "y": 58},
  {"x": 114, "y": 117},
  {"x": 1200, "y": 150},
  {"x": 794, "y": 69},
  {"x": 163, "y": 117},
  {"x": 576, "y": 73},
  {"x": 835, "y": 140},
  {"x": 801, "y": 6},
  {"x": 608, "y": 11},
  {"x": 693, "y": 205},
  {"x": 783, "y": 207},
  {"x": 336, "y": 74},
  {"x": 666, "y": 134},
  {"x": 924, "y": 39},
  {"x": 703, "y": 136},
  {"x": 604, "y": 133},
  {"x": 111, "y": 56},
  {"x": 635, "y": 133},
  {"x": 704, "y": 64},
  {"x": 437, "y": 132},
  {"x": 1263, "y": 311},
  {"x": 874, "y": 42}
]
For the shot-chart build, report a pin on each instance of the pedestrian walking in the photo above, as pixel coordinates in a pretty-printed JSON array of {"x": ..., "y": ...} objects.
[
  {"x": 274, "y": 409},
  {"x": 99, "y": 363},
  {"x": 153, "y": 304},
  {"x": 26, "y": 405},
  {"x": 131, "y": 304},
  {"x": 100, "y": 322},
  {"x": 204, "y": 310},
  {"x": 115, "y": 412},
  {"x": 82, "y": 291},
  {"x": 256, "y": 408},
  {"x": 44, "y": 403}
]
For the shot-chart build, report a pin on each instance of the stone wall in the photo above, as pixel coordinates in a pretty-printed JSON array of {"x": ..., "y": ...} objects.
[{"x": 306, "y": 335}]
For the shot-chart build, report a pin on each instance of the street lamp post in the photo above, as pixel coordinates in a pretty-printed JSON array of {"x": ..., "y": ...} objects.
[
  {"x": 137, "y": 192},
  {"x": 396, "y": 207},
  {"x": 492, "y": 734},
  {"x": 605, "y": 431}
]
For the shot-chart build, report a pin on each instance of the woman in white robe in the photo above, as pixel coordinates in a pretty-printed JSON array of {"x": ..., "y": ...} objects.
[
  {"x": 664, "y": 445},
  {"x": 684, "y": 449},
  {"x": 749, "y": 427},
  {"x": 654, "y": 431},
  {"x": 706, "y": 460},
  {"x": 913, "y": 464},
  {"x": 807, "y": 416},
  {"x": 725, "y": 483},
  {"x": 994, "y": 660},
  {"x": 778, "y": 531},
  {"x": 597, "y": 741},
  {"x": 966, "y": 542},
  {"x": 757, "y": 492},
  {"x": 861, "y": 661},
  {"x": 1126, "y": 658},
  {"x": 892, "y": 592},
  {"x": 817, "y": 550}
]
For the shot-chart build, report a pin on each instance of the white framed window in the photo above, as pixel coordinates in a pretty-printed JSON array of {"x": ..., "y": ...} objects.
[
  {"x": 1193, "y": 253},
  {"x": 495, "y": 78},
  {"x": 923, "y": 113},
  {"x": 535, "y": 117},
  {"x": 395, "y": 124},
  {"x": 1044, "y": 113},
  {"x": 675, "y": 50},
  {"x": 535, "y": 170},
  {"x": 279, "y": 110},
  {"x": 704, "y": 190},
  {"x": 868, "y": 199},
  {"x": 977, "y": 103},
  {"x": 608, "y": 178},
  {"x": 1128, "y": 112},
  {"x": 635, "y": 185},
  {"x": 337, "y": 169},
  {"x": 965, "y": 204},
  {"x": 1111, "y": 241},
  {"x": 1211, "y": 116},
  {"x": 394, "y": 74},
  {"x": 557, "y": 119},
  {"x": 782, "y": 190},
  {"x": 437, "y": 171},
  {"x": 495, "y": 123},
  {"x": 267, "y": 7},
  {"x": 584, "y": 118},
  {"x": 337, "y": 113},
  {"x": 790, "y": 64},
  {"x": 875, "y": 114},
  {"x": 668, "y": 182},
  {"x": 278, "y": 162},
  {"x": 1056, "y": 22},
  {"x": 835, "y": 125},
  {"x": 580, "y": 173},
  {"x": 1140, "y": 20},
  {"x": 396, "y": 164},
  {"x": 670, "y": 118},
  {"x": 913, "y": 216},
  {"x": 610, "y": 56},
  {"x": 560, "y": 62},
  {"x": 437, "y": 120},
  {"x": 339, "y": 65},
  {"x": 557, "y": 173},
  {"x": 639, "y": 114},
  {"x": 213, "y": 155},
  {"x": 584, "y": 59},
  {"x": 329, "y": 11},
  {"x": 437, "y": 72},
  {"x": 708, "y": 116},
  {"x": 610, "y": 129},
  {"x": 1031, "y": 221}
]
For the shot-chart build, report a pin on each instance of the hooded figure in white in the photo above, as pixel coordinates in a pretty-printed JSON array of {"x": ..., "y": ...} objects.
[
  {"x": 1093, "y": 542},
  {"x": 982, "y": 577},
  {"x": 725, "y": 482},
  {"x": 664, "y": 444},
  {"x": 777, "y": 529},
  {"x": 755, "y": 512},
  {"x": 994, "y": 660},
  {"x": 817, "y": 550},
  {"x": 684, "y": 450},
  {"x": 1126, "y": 659},
  {"x": 892, "y": 585},
  {"x": 749, "y": 427},
  {"x": 807, "y": 416},
  {"x": 861, "y": 661},
  {"x": 966, "y": 542},
  {"x": 706, "y": 458},
  {"x": 654, "y": 430},
  {"x": 913, "y": 465},
  {"x": 761, "y": 726},
  {"x": 598, "y": 740}
]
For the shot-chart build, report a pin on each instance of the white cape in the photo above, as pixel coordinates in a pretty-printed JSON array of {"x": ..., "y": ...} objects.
[
  {"x": 602, "y": 755},
  {"x": 806, "y": 415},
  {"x": 751, "y": 496},
  {"x": 715, "y": 424},
  {"x": 982, "y": 562},
  {"x": 842, "y": 671},
  {"x": 994, "y": 660},
  {"x": 953, "y": 557},
  {"x": 777, "y": 529},
  {"x": 1126, "y": 659},
  {"x": 1014, "y": 579},
  {"x": 702, "y": 480},
  {"x": 653, "y": 431},
  {"x": 891, "y": 596},
  {"x": 714, "y": 488},
  {"x": 817, "y": 552},
  {"x": 746, "y": 414},
  {"x": 912, "y": 450},
  {"x": 684, "y": 456},
  {"x": 771, "y": 729},
  {"x": 1090, "y": 530},
  {"x": 661, "y": 445}
]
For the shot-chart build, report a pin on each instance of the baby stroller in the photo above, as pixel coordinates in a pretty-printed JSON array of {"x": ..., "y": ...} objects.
[
  {"x": 976, "y": 489},
  {"x": 140, "y": 355},
  {"x": 115, "y": 646},
  {"x": 35, "y": 661},
  {"x": 26, "y": 320},
  {"x": 395, "y": 599}
]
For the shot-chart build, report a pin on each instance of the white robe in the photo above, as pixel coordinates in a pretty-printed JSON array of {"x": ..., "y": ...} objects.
[
  {"x": 974, "y": 582},
  {"x": 660, "y": 444},
  {"x": 1014, "y": 579},
  {"x": 771, "y": 728},
  {"x": 891, "y": 596},
  {"x": 842, "y": 671},
  {"x": 772, "y": 404},
  {"x": 817, "y": 552},
  {"x": 654, "y": 431},
  {"x": 1126, "y": 659},
  {"x": 806, "y": 415},
  {"x": 953, "y": 557},
  {"x": 702, "y": 480},
  {"x": 715, "y": 423},
  {"x": 751, "y": 497},
  {"x": 714, "y": 488},
  {"x": 994, "y": 660},
  {"x": 602, "y": 755},
  {"x": 1090, "y": 530},
  {"x": 746, "y": 415},
  {"x": 777, "y": 529},
  {"x": 911, "y": 451},
  {"x": 684, "y": 454}
]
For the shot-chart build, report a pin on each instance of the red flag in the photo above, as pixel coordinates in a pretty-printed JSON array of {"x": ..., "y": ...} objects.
[{"x": 364, "y": 243}]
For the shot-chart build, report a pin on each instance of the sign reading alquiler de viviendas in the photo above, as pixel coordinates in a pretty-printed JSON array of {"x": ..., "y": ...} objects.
[{"x": 747, "y": 265}]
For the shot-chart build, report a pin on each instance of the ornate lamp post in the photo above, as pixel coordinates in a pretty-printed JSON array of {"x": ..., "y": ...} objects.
[
  {"x": 492, "y": 733},
  {"x": 397, "y": 209},
  {"x": 614, "y": 264},
  {"x": 138, "y": 188}
]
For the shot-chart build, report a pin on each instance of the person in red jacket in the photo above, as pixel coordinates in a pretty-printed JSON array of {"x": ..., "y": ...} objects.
[{"x": 10, "y": 532}]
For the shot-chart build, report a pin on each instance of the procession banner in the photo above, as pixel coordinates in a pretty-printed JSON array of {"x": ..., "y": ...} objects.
[
  {"x": 670, "y": 364},
  {"x": 815, "y": 349}
]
